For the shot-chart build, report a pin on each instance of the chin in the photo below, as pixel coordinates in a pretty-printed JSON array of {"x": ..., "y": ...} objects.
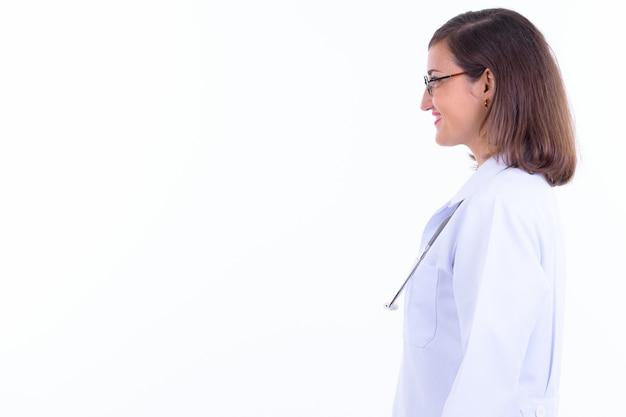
[
  {"x": 443, "y": 141},
  {"x": 448, "y": 140}
]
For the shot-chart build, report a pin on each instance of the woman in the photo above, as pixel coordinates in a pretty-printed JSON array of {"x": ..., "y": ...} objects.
[{"x": 483, "y": 310}]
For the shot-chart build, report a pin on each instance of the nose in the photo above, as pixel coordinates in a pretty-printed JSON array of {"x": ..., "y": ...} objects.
[{"x": 427, "y": 101}]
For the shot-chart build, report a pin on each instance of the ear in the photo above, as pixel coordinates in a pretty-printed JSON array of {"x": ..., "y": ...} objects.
[{"x": 488, "y": 83}]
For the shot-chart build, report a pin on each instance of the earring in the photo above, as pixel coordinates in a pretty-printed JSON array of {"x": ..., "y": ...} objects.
[{"x": 487, "y": 103}]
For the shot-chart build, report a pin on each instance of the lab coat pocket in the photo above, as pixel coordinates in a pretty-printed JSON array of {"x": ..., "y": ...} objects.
[{"x": 421, "y": 303}]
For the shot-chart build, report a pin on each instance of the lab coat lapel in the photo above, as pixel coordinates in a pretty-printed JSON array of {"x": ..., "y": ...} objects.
[{"x": 483, "y": 174}]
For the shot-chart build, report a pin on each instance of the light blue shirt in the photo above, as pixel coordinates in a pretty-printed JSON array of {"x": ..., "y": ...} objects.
[{"x": 483, "y": 312}]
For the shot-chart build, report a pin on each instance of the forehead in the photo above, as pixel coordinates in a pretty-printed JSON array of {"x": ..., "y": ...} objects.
[{"x": 440, "y": 59}]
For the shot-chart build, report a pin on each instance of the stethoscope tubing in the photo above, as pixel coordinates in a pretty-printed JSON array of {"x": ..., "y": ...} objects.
[{"x": 391, "y": 305}]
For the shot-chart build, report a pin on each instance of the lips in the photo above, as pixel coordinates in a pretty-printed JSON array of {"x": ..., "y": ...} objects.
[{"x": 437, "y": 117}]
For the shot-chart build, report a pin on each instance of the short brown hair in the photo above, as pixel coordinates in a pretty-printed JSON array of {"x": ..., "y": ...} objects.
[{"x": 528, "y": 123}]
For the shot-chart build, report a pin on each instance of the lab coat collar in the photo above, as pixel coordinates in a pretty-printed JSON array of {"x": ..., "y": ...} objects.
[{"x": 484, "y": 173}]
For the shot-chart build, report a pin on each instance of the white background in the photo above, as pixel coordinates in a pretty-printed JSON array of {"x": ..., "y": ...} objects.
[{"x": 204, "y": 205}]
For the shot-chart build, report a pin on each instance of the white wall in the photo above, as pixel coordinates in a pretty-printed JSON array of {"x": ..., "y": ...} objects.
[{"x": 204, "y": 205}]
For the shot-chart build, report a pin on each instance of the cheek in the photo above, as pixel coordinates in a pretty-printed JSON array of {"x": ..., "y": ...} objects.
[{"x": 463, "y": 115}]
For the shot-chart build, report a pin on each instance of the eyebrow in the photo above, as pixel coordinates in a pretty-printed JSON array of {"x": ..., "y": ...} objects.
[{"x": 430, "y": 71}]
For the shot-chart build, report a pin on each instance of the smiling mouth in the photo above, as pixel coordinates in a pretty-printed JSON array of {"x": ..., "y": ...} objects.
[{"x": 437, "y": 117}]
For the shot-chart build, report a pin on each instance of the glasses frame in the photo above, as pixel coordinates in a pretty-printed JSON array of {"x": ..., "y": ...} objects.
[{"x": 428, "y": 80}]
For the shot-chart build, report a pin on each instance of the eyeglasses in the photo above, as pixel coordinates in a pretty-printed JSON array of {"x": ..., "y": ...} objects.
[{"x": 427, "y": 81}]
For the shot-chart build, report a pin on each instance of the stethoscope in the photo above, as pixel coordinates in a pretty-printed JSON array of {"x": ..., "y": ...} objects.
[{"x": 391, "y": 305}]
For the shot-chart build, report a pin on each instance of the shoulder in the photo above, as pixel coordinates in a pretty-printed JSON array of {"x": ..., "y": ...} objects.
[
  {"x": 513, "y": 196},
  {"x": 515, "y": 187}
]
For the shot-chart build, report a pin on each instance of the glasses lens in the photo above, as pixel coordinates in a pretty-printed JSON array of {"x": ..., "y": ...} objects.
[{"x": 428, "y": 87}]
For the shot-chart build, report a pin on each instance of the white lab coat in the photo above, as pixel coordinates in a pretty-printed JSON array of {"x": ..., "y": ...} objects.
[{"x": 483, "y": 311}]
